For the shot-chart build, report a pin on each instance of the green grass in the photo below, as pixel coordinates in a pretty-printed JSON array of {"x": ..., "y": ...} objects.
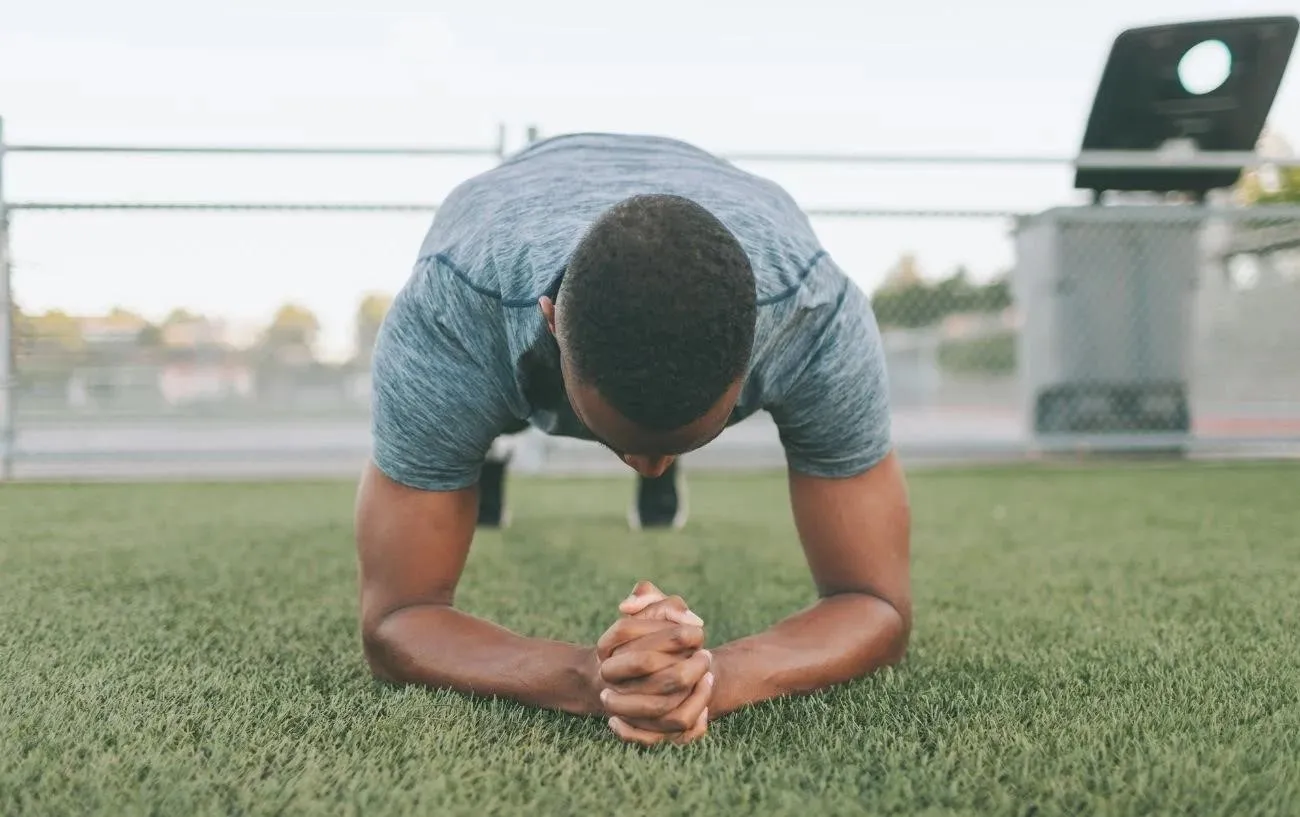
[{"x": 1088, "y": 641}]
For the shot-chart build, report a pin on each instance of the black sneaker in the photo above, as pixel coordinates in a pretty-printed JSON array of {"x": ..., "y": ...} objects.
[
  {"x": 492, "y": 511},
  {"x": 660, "y": 501}
]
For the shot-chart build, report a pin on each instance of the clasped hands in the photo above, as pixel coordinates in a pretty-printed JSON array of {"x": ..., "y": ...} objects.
[{"x": 654, "y": 677}]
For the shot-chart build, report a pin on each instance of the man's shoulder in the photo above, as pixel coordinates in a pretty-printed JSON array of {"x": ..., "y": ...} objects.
[
  {"x": 442, "y": 386},
  {"x": 820, "y": 371},
  {"x": 813, "y": 291},
  {"x": 511, "y": 229},
  {"x": 441, "y": 318},
  {"x": 803, "y": 325}
]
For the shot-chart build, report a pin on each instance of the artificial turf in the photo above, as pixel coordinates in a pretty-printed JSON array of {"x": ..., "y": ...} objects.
[{"x": 1119, "y": 640}]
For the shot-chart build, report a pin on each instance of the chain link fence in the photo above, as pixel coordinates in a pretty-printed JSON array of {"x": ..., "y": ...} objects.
[
  {"x": 1126, "y": 327},
  {"x": 1147, "y": 325}
]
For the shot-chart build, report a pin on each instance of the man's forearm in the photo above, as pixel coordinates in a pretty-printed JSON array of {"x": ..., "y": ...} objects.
[
  {"x": 439, "y": 646},
  {"x": 840, "y": 638}
]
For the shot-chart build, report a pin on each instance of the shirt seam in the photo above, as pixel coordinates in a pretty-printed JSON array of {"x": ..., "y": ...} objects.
[{"x": 445, "y": 260}]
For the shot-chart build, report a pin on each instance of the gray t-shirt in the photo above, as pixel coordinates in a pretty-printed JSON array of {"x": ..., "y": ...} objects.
[{"x": 464, "y": 354}]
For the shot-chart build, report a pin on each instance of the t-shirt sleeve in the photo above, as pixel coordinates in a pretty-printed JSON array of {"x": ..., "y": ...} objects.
[
  {"x": 439, "y": 391},
  {"x": 833, "y": 418}
]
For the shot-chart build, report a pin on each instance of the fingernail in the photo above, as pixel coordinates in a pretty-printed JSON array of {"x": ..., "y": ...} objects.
[
  {"x": 691, "y": 618},
  {"x": 708, "y": 655},
  {"x": 604, "y": 696},
  {"x": 708, "y": 678}
]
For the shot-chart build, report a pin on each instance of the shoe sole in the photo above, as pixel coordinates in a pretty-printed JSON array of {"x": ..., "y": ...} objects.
[
  {"x": 679, "y": 518},
  {"x": 501, "y": 452}
]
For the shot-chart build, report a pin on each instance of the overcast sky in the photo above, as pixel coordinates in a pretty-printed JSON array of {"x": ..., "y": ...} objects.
[{"x": 1002, "y": 76}]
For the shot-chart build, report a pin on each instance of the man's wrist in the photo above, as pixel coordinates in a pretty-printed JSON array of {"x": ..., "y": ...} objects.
[
  {"x": 583, "y": 673},
  {"x": 732, "y": 684},
  {"x": 835, "y": 641}
]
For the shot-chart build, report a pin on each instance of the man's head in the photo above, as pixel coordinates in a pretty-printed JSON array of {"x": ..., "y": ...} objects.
[{"x": 655, "y": 324}]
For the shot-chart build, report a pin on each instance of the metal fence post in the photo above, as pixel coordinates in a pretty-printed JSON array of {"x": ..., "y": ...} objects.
[{"x": 7, "y": 385}]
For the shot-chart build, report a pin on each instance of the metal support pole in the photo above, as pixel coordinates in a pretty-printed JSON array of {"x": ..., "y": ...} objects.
[
  {"x": 8, "y": 388},
  {"x": 501, "y": 142}
]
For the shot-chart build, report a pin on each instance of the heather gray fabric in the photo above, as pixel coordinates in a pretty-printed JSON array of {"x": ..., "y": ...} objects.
[{"x": 464, "y": 355}]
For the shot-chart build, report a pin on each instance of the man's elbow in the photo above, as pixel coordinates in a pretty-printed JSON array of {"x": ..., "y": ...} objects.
[
  {"x": 899, "y": 639},
  {"x": 376, "y": 649},
  {"x": 396, "y": 644},
  {"x": 897, "y": 632},
  {"x": 385, "y": 645}
]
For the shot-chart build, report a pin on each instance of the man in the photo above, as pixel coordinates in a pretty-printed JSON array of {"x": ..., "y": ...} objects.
[{"x": 640, "y": 293}]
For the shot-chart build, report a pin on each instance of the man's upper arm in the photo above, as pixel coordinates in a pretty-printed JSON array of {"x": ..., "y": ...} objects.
[
  {"x": 833, "y": 414},
  {"x": 439, "y": 400},
  {"x": 439, "y": 383},
  {"x": 411, "y": 545},
  {"x": 856, "y": 534},
  {"x": 848, "y": 491}
]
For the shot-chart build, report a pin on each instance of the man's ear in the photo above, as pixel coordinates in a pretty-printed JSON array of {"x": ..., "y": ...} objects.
[{"x": 548, "y": 310}]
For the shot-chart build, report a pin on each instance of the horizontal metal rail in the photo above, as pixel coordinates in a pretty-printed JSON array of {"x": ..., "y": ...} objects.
[
  {"x": 494, "y": 151},
  {"x": 235, "y": 206},
  {"x": 1189, "y": 212},
  {"x": 1085, "y": 160},
  {"x": 398, "y": 207}
]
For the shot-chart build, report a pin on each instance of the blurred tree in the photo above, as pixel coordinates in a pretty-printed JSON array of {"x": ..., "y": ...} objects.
[
  {"x": 123, "y": 317},
  {"x": 189, "y": 331},
  {"x": 954, "y": 293},
  {"x": 23, "y": 332},
  {"x": 127, "y": 321},
  {"x": 50, "y": 342},
  {"x": 905, "y": 273},
  {"x": 994, "y": 296},
  {"x": 1276, "y": 185},
  {"x": 905, "y": 300},
  {"x": 370, "y": 316},
  {"x": 57, "y": 330},
  {"x": 179, "y": 316},
  {"x": 1270, "y": 184},
  {"x": 291, "y": 335},
  {"x": 150, "y": 336}
]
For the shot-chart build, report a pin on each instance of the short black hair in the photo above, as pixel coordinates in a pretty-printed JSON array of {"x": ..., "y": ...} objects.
[{"x": 659, "y": 309}]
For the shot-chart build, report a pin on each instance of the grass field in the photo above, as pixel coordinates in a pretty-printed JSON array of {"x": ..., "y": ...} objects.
[{"x": 1088, "y": 641}]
